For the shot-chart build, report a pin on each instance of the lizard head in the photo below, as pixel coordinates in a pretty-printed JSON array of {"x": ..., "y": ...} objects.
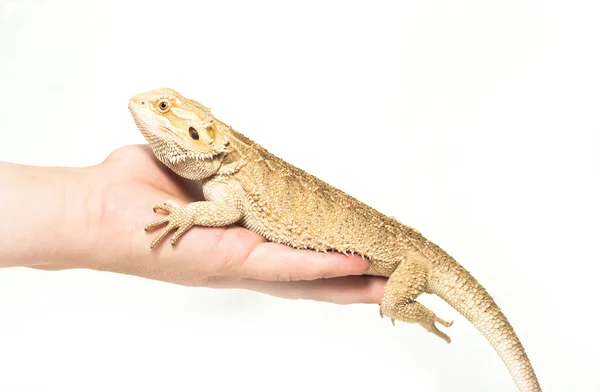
[{"x": 181, "y": 132}]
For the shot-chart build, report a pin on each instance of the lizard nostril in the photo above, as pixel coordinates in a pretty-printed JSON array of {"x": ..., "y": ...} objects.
[{"x": 143, "y": 102}]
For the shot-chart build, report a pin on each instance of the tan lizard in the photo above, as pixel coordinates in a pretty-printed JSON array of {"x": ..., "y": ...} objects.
[{"x": 245, "y": 184}]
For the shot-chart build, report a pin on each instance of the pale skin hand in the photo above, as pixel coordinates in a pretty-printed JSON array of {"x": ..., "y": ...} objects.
[{"x": 60, "y": 218}]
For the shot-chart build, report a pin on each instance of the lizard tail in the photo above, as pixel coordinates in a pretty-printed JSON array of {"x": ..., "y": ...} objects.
[{"x": 462, "y": 291}]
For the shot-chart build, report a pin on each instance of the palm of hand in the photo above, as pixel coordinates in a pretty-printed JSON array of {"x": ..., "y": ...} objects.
[{"x": 131, "y": 181}]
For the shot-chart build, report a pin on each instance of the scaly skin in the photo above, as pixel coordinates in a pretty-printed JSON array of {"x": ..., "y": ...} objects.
[{"x": 245, "y": 184}]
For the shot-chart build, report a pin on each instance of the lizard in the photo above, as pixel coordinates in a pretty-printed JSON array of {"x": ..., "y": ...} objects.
[{"x": 244, "y": 184}]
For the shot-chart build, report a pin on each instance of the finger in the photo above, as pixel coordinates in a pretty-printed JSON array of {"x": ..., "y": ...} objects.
[
  {"x": 240, "y": 253},
  {"x": 277, "y": 262},
  {"x": 343, "y": 291}
]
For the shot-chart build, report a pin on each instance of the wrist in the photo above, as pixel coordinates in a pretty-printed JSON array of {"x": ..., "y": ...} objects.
[{"x": 42, "y": 225}]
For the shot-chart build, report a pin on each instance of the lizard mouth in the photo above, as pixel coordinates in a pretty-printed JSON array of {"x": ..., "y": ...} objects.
[{"x": 136, "y": 111}]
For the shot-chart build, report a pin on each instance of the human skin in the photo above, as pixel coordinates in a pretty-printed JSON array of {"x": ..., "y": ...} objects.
[{"x": 57, "y": 218}]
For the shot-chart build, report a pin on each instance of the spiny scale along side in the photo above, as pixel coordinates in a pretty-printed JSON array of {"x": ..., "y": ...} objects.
[{"x": 243, "y": 183}]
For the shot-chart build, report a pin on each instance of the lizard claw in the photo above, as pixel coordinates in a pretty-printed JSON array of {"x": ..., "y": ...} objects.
[{"x": 168, "y": 206}]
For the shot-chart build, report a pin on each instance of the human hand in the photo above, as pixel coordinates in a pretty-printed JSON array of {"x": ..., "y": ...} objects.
[{"x": 117, "y": 197}]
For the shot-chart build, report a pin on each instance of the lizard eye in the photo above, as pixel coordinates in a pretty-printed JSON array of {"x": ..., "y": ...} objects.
[
  {"x": 193, "y": 133},
  {"x": 163, "y": 105}
]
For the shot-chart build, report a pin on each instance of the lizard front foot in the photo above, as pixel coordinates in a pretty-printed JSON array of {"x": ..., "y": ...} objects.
[
  {"x": 201, "y": 213},
  {"x": 178, "y": 218}
]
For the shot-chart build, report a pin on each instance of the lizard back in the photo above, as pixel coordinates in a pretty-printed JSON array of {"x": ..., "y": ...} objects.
[{"x": 288, "y": 205}]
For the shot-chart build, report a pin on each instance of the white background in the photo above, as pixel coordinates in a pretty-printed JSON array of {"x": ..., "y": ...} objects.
[{"x": 476, "y": 122}]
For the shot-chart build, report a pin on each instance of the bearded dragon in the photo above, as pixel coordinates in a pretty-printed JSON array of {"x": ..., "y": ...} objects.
[{"x": 245, "y": 184}]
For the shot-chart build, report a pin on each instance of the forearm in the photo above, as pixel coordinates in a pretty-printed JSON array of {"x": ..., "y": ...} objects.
[{"x": 39, "y": 225}]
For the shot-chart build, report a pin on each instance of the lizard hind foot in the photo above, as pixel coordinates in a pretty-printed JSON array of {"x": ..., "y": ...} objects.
[
  {"x": 404, "y": 285},
  {"x": 414, "y": 312},
  {"x": 430, "y": 326}
]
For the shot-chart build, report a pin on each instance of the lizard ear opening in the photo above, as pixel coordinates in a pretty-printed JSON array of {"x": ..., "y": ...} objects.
[
  {"x": 203, "y": 133},
  {"x": 206, "y": 140}
]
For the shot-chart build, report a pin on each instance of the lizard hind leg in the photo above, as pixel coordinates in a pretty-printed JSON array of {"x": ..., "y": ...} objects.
[{"x": 404, "y": 285}]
